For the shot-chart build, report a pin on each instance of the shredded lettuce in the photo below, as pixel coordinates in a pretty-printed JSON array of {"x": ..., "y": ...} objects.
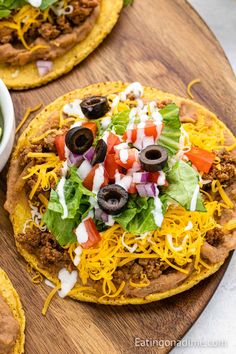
[
  {"x": 119, "y": 122},
  {"x": 170, "y": 135},
  {"x": 183, "y": 180},
  {"x": 77, "y": 201},
  {"x": 137, "y": 218}
]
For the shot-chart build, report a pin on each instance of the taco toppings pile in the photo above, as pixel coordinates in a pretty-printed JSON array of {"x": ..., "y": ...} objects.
[
  {"x": 42, "y": 30},
  {"x": 130, "y": 193},
  {"x": 41, "y": 40}
]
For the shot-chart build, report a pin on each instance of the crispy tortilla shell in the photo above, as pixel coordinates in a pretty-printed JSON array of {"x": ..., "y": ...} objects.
[
  {"x": 21, "y": 211},
  {"x": 27, "y": 76},
  {"x": 11, "y": 297}
]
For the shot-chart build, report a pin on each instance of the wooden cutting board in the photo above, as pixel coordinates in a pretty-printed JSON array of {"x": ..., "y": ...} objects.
[{"x": 161, "y": 43}]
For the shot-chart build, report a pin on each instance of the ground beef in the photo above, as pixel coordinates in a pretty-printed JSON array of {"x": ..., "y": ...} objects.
[
  {"x": 6, "y": 35},
  {"x": 224, "y": 171},
  {"x": 23, "y": 154},
  {"x": 215, "y": 237},
  {"x": 133, "y": 270},
  {"x": 64, "y": 25},
  {"x": 45, "y": 247},
  {"x": 81, "y": 10},
  {"x": 48, "y": 31},
  {"x": 163, "y": 104}
]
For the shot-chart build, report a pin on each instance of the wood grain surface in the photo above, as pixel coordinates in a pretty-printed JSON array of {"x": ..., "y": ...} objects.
[{"x": 162, "y": 43}]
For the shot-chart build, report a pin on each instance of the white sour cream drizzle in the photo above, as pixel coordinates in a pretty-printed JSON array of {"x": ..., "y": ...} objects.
[
  {"x": 61, "y": 194},
  {"x": 157, "y": 212},
  {"x": 35, "y": 3},
  {"x": 135, "y": 88},
  {"x": 73, "y": 108},
  {"x": 189, "y": 226},
  {"x": 193, "y": 203},
  {"x": 130, "y": 249},
  {"x": 124, "y": 155},
  {"x": 81, "y": 233},
  {"x": 98, "y": 179},
  {"x": 179, "y": 248},
  {"x": 68, "y": 281},
  {"x": 84, "y": 169},
  {"x": 105, "y": 136},
  {"x": 78, "y": 251},
  {"x": 124, "y": 182},
  {"x": 161, "y": 179},
  {"x": 49, "y": 283},
  {"x": 105, "y": 122},
  {"x": 110, "y": 221},
  {"x": 36, "y": 217},
  {"x": 121, "y": 146}
]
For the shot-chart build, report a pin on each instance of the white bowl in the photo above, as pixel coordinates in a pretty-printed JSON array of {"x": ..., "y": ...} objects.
[{"x": 7, "y": 109}]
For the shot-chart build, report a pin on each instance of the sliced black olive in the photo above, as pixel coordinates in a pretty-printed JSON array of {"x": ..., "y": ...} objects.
[
  {"x": 79, "y": 139},
  {"x": 112, "y": 199},
  {"x": 153, "y": 158},
  {"x": 100, "y": 152},
  {"x": 95, "y": 107}
]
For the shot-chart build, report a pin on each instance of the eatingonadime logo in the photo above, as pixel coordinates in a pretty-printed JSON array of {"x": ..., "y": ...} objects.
[{"x": 165, "y": 343}]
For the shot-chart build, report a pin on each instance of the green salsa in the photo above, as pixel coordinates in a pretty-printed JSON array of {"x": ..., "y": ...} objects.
[{"x": 1, "y": 124}]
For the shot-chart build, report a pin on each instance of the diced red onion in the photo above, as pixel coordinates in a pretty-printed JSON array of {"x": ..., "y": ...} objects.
[
  {"x": 101, "y": 215},
  {"x": 84, "y": 169},
  {"x": 75, "y": 159},
  {"x": 146, "y": 189},
  {"x": 88, "y": 155},
  {"x": 140, "y": 177},
  {"x": 44, "y": 66}
]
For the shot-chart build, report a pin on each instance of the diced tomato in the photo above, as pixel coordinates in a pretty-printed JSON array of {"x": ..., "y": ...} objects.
[
  {"x": 132, "y": 189},
  {"x": 200, "y": 158},
  {"x": 92, "y": 126},
  {"x": 132, "y": 158},
  {"x": 60, "y": 146},
  {"x": 131, "y": 135},
  {"x": 88, "y": 181},
  {"x": 111, "y": 166},
  {"x": 112, "y": 141},
  {"x": 150, "y": 129},
  {"x": 93, "y": 235},
  {"x": 153, "y": 177}
]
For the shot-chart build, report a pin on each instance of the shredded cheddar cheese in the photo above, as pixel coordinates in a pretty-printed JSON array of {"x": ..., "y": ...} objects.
[
  {"x": 22, "y": 20},
  {"x": 207, "y": 135},
  {"x": 27, "y": 115},
  {"x": 190, "y": 85},
  {"x": 100, "y": 263},
  {"x": 44, "y": 173},
  {"x": 49, "y": 299},
  {"x": 216, "y": 187}
]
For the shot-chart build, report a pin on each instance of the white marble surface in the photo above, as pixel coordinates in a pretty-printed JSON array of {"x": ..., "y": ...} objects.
[{"x": 218, "y": 320}]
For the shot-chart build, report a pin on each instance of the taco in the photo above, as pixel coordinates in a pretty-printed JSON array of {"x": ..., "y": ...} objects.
[
  {"x": 44, "y": 39},
  {"x": 121, "y": 194},
  {"x": 12, "y": 318}
]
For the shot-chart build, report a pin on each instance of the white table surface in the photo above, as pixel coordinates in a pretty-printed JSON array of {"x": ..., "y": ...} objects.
[{"x": 218, "y": 321}]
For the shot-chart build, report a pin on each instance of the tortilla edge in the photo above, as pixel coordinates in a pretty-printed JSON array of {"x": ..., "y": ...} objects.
[{"x": 14, "y": 302}]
